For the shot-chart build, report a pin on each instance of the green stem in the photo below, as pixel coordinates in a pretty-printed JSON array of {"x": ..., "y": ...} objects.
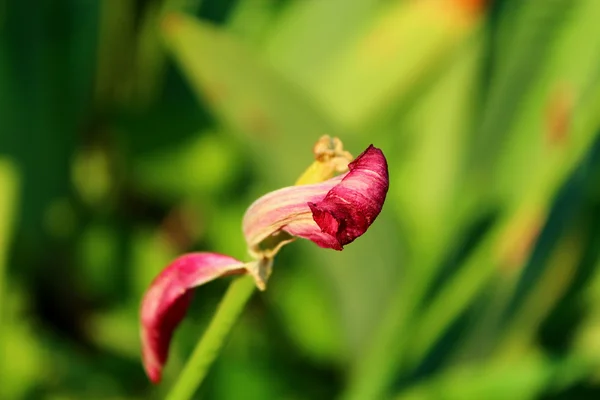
[
  {"x": 210, "y": 343},
  {"x": 9, "y": 186},
  {"x": 231, "y": 307}
]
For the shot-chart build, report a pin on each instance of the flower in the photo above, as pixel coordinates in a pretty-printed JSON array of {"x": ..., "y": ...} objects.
[{"x": 330, "y": 212}]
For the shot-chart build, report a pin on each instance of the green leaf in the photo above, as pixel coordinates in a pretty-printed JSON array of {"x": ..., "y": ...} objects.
[
  {"x": 308, "y": 36},
  {"x": 525, "y": 379},
  {"x": 246, "y": 95},
  {"x": 9, "y": 186},
  {"x": 401, "y": 45}
]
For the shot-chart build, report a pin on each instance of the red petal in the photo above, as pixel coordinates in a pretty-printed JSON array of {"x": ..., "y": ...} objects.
[
  {"x": 350, "y": 207},
  {"x": 166, "y": 302}
]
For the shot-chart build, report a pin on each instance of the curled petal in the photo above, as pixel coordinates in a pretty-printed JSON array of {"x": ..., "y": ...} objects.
[
  {"x": 166, "y": 302},
  {"x": 331, "y": 214},
  {"x": 350, "y": 208}
]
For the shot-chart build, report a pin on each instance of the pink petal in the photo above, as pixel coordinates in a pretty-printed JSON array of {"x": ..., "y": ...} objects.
[
  {"x": 331, "y": 214},
  {"x": 166, "y": 302},
  {"x": 277, "y": 210}
]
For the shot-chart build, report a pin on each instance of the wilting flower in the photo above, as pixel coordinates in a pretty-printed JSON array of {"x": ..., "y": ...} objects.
[{"x": 331, "y": 213}]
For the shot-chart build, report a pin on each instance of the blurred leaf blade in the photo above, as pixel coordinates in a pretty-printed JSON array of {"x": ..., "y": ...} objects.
[
  {"x": 500, "y": 380},
  {"x": 9, "y": 186},
  {"x": 303, "y": 42},
  {"x": 381, "y": 66},
  {"x": 245, "y": 94}
]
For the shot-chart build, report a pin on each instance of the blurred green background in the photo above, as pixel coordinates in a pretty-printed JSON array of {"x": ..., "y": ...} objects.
[{"x": 134, "y": 130}]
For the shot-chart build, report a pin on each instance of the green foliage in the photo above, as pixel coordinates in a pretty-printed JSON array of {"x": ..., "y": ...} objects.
[{"x": 138, "y": 130}]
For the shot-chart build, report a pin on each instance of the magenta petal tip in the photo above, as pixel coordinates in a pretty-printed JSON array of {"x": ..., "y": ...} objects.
[
  {"x": 166, "y": 302},
  {"x": 349, "y": 208}
]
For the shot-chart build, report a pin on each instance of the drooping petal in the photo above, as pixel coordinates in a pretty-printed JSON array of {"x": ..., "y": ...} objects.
[
  {"x": 331, "y": 214},
  {"x": 167, "y": 300}
]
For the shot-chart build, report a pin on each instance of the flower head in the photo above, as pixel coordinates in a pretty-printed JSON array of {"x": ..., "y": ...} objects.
[
  {"x": 332, "y": 211},
  {"x": 331, "y": 214}
]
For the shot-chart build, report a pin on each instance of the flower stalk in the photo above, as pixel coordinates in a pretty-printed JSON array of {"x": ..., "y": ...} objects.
[{"x": 208, "y": 347}]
